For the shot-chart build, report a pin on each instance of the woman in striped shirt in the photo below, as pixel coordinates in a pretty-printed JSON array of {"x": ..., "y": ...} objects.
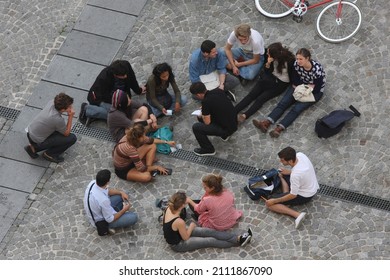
[{"x": 134, "y": 155}]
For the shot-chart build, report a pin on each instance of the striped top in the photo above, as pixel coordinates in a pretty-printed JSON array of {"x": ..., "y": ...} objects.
[{"x": 125, "y": 154}]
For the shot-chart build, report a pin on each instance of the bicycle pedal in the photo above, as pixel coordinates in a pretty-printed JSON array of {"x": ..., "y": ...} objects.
[{"x": 297, "y": 19}]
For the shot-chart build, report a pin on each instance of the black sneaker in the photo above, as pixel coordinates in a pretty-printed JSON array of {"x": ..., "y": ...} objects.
[
  {"x": 225, "y": 139},
  {"x": 56, "y": 159},
  {"x": 231, "y": 95},
  {"x": 250, "y": 231},
  {"x": 82, "y": 114},
  {"x": 245, "y": 238},
  {"x": 30, "y": 152},
  {"x": 201, "y": 152}
]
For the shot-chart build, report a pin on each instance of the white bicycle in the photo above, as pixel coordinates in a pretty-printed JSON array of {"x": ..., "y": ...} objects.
[{"x": 337, "y": 22}]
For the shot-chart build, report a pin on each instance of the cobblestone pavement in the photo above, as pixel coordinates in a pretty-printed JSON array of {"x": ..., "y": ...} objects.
[{"x": 52, "y": 224}]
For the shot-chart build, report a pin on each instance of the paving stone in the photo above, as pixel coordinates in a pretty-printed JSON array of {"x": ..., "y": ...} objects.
[
  {"x": 133, "y": 7},
  {"x": 11, "y": 202},
  {"x": 356, "y": 159},
  {"x": 18, "y": 175},
  {"x": 12, "y": 147},
  {"x": 78, "y": 74},
  {"x": 46, "y": 91},
  {"x": 115, "y": 25},
  {"x": 90, "y": 47}
]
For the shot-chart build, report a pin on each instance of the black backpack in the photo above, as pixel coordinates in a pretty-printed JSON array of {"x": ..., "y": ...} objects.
[
  {"x": 263, "y": 185},
  {"x": 332, "y": 123}
]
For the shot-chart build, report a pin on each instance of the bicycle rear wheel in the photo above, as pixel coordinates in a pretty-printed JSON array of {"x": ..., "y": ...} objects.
[
  {"x": 335, "y": 30},
  {"x": 275, "y": 8}
]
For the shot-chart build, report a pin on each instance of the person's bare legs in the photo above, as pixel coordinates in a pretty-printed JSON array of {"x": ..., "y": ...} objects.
[
  {"x": 141, "y": 114},
  {"x": 147, "y": 152},
  {"x": 281, "y": 208}
]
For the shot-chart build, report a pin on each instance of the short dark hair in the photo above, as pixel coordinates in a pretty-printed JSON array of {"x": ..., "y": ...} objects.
[
  {"x": 62, "y": 101},
  {"x": 207, "y": 46},
  {"x": 197, "y": 87},
  {"x": 119, "y": 68},
  {"x": 103, "y": 177},
  {"x": 288, "y": 154}
]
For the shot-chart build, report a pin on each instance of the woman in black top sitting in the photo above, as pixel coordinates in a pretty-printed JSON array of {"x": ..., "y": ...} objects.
[
  {"x": 274, "y": 80},
  {"x": 182, "y": 238}
]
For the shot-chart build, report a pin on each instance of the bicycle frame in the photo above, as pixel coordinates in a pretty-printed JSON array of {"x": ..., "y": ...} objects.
[
  {"x": 299, "y": 8},
  {"x": 338, "y": 21}
]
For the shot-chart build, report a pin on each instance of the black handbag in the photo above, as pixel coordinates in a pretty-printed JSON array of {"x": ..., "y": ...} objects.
[{"x": 101, "y": 226}]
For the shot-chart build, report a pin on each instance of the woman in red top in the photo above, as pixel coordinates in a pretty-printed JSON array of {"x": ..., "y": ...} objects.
[
  {"x": 134, "y": 155},
  {"x": 216, "y": 209}
]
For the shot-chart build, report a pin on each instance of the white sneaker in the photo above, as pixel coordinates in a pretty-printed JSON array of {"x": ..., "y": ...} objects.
[{"x": 298, "y": 221}]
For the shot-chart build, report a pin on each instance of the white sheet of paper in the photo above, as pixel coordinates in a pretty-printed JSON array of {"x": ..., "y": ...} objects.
[
  {"x": 211, "y": 81},
  {"x": 197, "y": 113}
]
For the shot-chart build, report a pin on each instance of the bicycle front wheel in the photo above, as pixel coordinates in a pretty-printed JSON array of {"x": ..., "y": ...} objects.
[
  {"x": 335, "y": 30},
  {"x": 275, "y": 8}
]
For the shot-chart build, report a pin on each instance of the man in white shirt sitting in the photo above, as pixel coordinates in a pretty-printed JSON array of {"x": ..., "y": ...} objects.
[
  {"x": 245, "y": 52},
  {"x": 111, "y": 205},
  {"x": 303, "y": 184}
]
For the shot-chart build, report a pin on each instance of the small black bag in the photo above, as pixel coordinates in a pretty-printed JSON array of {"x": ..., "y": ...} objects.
[
  {"x": 332, "y": 123},
  {"x": 102, "y": 227}
]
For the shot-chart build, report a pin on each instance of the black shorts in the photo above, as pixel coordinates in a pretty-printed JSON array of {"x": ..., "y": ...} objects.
[
  {"x": 298, "y": 200},
  {"x": 122, "y": 172}
]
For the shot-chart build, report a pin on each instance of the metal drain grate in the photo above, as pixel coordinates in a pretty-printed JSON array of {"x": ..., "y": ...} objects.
[
  {"x": 218, "y": 163},
  {"x": 8, "y": 113},
  {"x": 249, "y": 171},
  {"x": 350, "y": 196},
  {"x": 95, "y": 132},
  {"x": 374, "y": 202}
]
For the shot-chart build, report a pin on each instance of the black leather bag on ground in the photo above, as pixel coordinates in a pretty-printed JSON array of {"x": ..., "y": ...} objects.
[{"x": 102, "y": 227}]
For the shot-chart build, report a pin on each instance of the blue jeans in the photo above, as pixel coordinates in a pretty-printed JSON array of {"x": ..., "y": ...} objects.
[
  {"x": 286, "y": 102},
  {"x": 206, "y": 238},
  {"x": 55, "y": 145},
  {"x": 127, "y": 219},
  {"x": 201, "y": 131},
  {"x": 248, "y": 72},
  {"x": 98, "y": 112},
  {"x": 158, "y": 112}
]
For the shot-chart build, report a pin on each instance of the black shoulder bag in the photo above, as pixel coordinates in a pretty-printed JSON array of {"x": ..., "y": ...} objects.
[{"x": 102, "y": 226}]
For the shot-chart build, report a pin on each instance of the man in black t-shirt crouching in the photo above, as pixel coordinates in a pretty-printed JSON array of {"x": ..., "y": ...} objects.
[{"x": 217, "y": 118}]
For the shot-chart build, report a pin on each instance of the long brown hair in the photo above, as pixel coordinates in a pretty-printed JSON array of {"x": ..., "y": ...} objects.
[
  {"x": 280, "y": 54},
  {"x": 134, "y": 134}
]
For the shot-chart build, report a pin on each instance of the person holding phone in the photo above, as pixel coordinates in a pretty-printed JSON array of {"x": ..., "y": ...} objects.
[
  {"x": 134, "y": 155},
  {"x": 111, "y": 205}
]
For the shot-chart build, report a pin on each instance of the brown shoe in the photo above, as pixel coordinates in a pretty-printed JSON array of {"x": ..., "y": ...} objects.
[
  {"x": 262, "y": 125},
  {"x": 276, "y": 132}
]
